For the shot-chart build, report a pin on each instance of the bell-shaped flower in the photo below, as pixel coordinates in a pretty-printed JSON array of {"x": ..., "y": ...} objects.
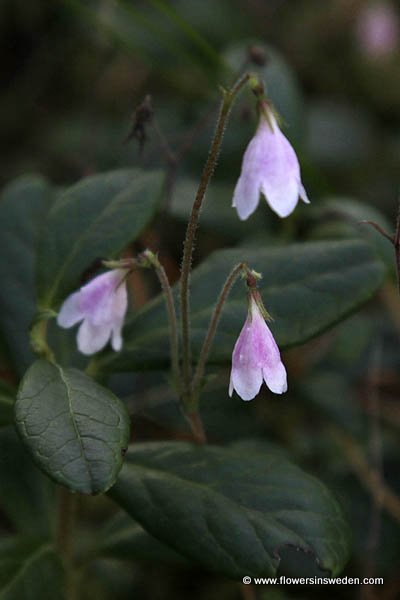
[
  {"x": 101, "y": 305},
  {"x": 256, "y": 357},
  {"x": 269, "y": 166}
]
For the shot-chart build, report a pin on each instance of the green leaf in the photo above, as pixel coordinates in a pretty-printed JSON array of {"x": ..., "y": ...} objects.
[
  {"x": 27, "y": 497},
  {"x": 123, "y": 539},
  {"x": 96, "y": 218},
  {"x": 307, "y": 288},
  {"x": 353, "y": 212},
  {"x": 75, "y": 429},
  {"x": 29, "y": 571},
  {"x": 231, "y": 510},
  {"x": 24, "y": 204}
]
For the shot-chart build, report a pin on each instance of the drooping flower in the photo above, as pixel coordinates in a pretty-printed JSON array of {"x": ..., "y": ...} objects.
[
  {"x": 101, "y": 305},
  {"x": 269, "y": 166},
  {"x": 256, "y": 357}
]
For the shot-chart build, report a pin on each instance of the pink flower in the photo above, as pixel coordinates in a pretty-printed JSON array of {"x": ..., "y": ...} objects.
[
  {"x": 378, "y": 30},
  {"x": 269, "y": 166},
  {"x": 101, "y": 306},
  {"x": 255, "y": 358}
]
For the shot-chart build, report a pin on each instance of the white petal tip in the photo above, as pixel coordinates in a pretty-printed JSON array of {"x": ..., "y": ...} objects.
[
  {"x": 303, "y": 194},
  {"x": 116, "y": 343}
]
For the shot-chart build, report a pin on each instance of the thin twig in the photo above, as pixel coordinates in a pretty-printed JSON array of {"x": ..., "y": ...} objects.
[{"x": 380, "y": 230}]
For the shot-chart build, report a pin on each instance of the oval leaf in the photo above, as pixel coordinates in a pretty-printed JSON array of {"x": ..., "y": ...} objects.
[
  {"x": 96, "y": 218},
  {"x": 306, "y": 288},
  {"x": 75, "y": 429},
  {"x": 123, "y": 539},
  {"x": 231, "y": 510}
]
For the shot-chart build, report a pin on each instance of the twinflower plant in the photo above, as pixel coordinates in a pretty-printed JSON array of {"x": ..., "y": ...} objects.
[{"x": 228, "y": 508}]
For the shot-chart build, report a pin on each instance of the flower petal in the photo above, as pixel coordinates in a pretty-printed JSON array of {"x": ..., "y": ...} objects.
[
  {"x": 70, "y": 311},
  {"x": 119, "y": 308},
  {"x": 230, "y": 386},
  {"x": 247, "y": 381},
  {"x": 97, "y": 297},
  {"x": 275, "y": 377},
  {"x": 281, "y": 175},
  {"x": 303, "y": 194},
  {"x": 246, "y": 195},
  {"x": 91, "y": 339}
]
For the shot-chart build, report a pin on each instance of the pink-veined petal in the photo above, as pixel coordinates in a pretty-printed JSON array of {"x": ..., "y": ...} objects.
[
  {"x": 97, "y": 296},
  {"x": 247, "y": 381},
  {"x": 256, "y": 356}
]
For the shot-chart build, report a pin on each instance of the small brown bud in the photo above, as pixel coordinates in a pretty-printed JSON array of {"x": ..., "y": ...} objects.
[{"x": 141, "y": 117}]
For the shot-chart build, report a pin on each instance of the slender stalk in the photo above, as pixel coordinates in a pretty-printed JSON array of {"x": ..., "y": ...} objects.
[
  {"x": 38, "y": 337},
  {"x": 379, "y": 229},
  {"x": 196, "y": 425},
  {"x": 66, "y": 520},
  {"x": 171, "y": 312},
  {"x": 212, "y": 328},
  {"x": 226, "y": 105}
]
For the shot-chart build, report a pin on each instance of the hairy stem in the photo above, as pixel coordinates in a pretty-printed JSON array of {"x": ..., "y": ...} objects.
[
  {"x": 172, "y": 320},
  {"x": 226, "y": 105},
  {"x": 212, "y": 328}
]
